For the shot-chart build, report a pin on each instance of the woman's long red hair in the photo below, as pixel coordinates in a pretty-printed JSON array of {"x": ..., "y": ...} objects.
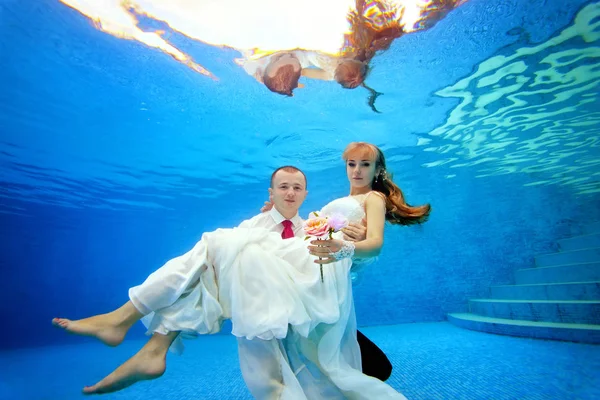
[{"x": 397, "y": 211}]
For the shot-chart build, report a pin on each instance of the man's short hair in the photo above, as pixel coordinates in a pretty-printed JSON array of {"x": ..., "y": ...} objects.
[{"x": 291, "y": 169}]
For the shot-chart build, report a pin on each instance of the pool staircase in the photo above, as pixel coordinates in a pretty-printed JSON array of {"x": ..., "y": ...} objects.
[{"x": 558, "y": 299}]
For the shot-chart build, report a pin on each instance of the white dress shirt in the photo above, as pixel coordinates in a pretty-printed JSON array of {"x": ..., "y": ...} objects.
[{"x": 272, "y": 220}]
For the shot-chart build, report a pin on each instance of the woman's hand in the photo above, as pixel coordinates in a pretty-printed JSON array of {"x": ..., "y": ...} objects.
[
  {"x": 268, "y": 204},
  {"x": 325, "y": 249},
  {"x": 267, "y": 207}
]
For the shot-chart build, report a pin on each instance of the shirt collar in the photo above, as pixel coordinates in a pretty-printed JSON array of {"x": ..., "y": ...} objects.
[{"x": 278, "y": 218}]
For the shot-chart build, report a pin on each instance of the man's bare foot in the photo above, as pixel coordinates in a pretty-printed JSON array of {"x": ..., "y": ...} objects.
[
  {"x": 144, "y": 365},
  {"x": 102, "y": 327}
]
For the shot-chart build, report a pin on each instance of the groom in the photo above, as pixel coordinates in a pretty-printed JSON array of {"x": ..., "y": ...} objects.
[{"x": 287, "y": 192}]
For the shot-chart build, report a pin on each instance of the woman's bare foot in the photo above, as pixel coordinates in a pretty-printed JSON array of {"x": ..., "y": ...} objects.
[
  {"x": 109, "y": 328},
  {"x": 102, "y": 327},
  {"x": 148, "y": 363}
]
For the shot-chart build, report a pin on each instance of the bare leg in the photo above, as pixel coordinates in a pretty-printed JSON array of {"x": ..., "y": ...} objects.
[
  {"x": 148, "y": 363},
  {"x": 108, "y": 328}
]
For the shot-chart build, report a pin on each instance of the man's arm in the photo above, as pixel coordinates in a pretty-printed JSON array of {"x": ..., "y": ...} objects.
[{"x": 356, "y": 232}]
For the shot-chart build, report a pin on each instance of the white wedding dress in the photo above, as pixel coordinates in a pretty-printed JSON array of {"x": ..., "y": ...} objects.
[{"x": 271, "y": 290}]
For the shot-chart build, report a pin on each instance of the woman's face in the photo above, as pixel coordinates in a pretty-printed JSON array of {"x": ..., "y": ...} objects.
[{"x": 360, "y": 171}]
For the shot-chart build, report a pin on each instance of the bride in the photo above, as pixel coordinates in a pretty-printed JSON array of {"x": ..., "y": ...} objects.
[{"x": 270, "y": 289}]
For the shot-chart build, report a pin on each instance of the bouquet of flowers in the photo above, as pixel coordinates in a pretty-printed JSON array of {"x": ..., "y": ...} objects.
[{"x": 321, "y": 226}]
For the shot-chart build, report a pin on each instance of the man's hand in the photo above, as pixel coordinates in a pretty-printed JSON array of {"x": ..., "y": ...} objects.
[
  {"x": 325, "y": 249},
  {"x": 355, "y": 232}
]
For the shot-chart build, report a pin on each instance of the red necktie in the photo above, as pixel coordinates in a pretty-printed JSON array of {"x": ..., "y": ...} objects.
[{"x": 287, "y": 229}]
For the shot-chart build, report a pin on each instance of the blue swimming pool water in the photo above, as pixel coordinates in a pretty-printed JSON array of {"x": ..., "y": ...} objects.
[{"x": 115, "y": 158}]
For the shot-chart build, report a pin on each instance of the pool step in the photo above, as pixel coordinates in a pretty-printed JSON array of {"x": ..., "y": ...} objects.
[
  {"x": 579, "y": 333},
  {"x": 582, "y": 256},
  {"x": 548, "y": 291},
  {"x": 565, "y": 311},
  {"x": 559, "y": 274},
  {"x": 591, "y": 228},
  {"x": 580, "y": 242},
  {"x": 558, "y": 298}
]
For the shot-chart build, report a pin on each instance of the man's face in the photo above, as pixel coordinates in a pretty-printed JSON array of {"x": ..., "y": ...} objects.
[{"x": 288, "y": 192}]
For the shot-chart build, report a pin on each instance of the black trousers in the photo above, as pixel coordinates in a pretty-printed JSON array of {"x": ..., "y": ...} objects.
[{"x": 374, "y": 361}]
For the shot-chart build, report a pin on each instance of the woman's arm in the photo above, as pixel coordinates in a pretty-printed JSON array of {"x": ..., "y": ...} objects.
[
  {"x": 375, "y": 210},
  {"x": 316, "y": 73}
]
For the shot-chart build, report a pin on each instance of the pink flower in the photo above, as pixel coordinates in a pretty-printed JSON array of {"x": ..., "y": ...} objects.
[
  {"x": 316, "y": 226},
  {"x": 337, "y": 222}
]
